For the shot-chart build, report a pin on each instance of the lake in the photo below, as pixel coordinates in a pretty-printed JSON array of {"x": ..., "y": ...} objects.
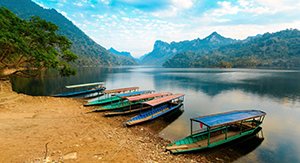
[{"x": 277, "y": 92}]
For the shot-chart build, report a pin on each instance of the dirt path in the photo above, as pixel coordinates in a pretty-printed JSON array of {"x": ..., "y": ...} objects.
[{"x": 30, "y": 126}]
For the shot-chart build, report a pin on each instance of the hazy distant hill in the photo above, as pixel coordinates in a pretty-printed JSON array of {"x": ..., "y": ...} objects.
[
  {"x": 88, "y": 50},
  {"x": 280, "y": 50},
  {"x": 163, "y": 51},
  {"x": 126, "y": 55}
]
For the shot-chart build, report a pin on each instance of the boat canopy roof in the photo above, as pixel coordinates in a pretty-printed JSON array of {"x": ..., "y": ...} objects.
[
  {"x": 146, "y": 96},
  {"x": 123, "y": 95},
  {"x": 85, "y": 85},
  {"x": 119, "y": 90},
  {"x": 163, "y": 99},
  {"x": 228, "y": 117}
]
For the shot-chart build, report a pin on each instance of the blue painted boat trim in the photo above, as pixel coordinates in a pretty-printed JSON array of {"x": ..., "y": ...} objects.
[
  {"x": 72, "y": 94},
  {"x": 152, "y": 112}
]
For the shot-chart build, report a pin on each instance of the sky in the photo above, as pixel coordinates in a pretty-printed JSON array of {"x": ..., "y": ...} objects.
[{"x": 134, "y": 25}]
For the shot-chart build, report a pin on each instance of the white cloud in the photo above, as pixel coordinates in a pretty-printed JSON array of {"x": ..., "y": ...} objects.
[
  {"x": 226, "y": 8},
  {"x": 135, "y": 30},
  {"x": 79, "y": 4},
  {"x": 239, "y": 32},
  {"x": 254, "y": 7},
  {"x": 182, "y": 4},
  {"x": 106, "y": 2},
  {"x": 176, "y": 7}
]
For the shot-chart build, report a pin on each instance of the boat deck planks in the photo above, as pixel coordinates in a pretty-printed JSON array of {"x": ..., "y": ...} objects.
[
  {"x": 203, "y": 142},
  {"x": 126, "y": 112},
  {"x": 148, "y": 117}
]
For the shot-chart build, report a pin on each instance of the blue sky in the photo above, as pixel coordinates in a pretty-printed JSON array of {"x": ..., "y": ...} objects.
[{"x": 134, "y": 25}]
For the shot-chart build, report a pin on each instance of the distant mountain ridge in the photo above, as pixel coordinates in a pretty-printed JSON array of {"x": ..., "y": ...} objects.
[
  {"x": 277, "y": 50},
  {"x": 89, "y": 51},
  {"x": 162, "y": 51},
  {"x": 124, "y": 54}
]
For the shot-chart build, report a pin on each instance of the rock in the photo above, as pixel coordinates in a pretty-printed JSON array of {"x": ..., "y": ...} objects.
[
  {"x": 70, "y": 156},
  {"x": 89, "y": 139},
  {"x": 219, "y": 159}
]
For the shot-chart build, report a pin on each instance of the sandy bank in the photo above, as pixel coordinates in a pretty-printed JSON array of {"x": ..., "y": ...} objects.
[{"x": 30, "y": 126}]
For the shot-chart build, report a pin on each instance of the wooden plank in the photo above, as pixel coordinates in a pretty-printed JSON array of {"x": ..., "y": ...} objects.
[
  {"x": 147, "y": 96},
  {"x": 127, "y": 111},
  {"x": 146, "y": 118},
  {"x": 177, "y": 147},
  {"x": 119, "y": 90},
  {"x": 163, "y": 99},
  {"x": 84, "y": 85}
]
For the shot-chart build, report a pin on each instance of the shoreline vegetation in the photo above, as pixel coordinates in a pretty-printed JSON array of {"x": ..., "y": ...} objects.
[
  {"x": 33, "y": 44},
  {"x": 41, "y": 128}
]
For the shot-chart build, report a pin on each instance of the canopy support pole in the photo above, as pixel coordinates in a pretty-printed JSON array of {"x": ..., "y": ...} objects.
[
  {"x": 226, "y": 130},
  {"x": 241, "y": 127},
  {"x": 208, "y": 138},
  {"x": 191, "y": 126}
]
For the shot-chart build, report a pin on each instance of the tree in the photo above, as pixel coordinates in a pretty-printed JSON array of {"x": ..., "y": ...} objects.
[{"x": 33, "y": 43}]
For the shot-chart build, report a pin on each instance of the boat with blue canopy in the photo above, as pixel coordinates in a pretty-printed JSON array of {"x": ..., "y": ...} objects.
[
  {"x": 118, "y": 98},
  {"x": 217, "y": 129},
  {"x": 96, "y": 90},
  {"x": 159, "y": 107}
]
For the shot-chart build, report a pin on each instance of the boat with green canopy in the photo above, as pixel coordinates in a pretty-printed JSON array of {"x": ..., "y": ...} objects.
[
  {"x": 217, "y": 129},
  {"x": 132, "y": 104},
  {"x": 112, "y": 92},
  {"x": 135, "y": 100},
  {"x": 159, "y": 107},
  {"x": 117, "y": 99},
  {"x": 114, "y": 98}
]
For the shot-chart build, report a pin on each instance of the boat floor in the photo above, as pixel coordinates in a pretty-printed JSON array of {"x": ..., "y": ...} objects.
[
  {"x": 113, "y": 113},
  {"x": 202, "y": 143},
  {"x": 147, "y": 118}
]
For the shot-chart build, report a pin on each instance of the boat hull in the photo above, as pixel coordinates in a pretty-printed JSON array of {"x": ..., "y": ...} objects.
[
  {"x": 74, "y": 94},
  {"x": 112, "y": 99},
  {"x": 152, "y": 114},
  {"x": 211, "y": 145}
]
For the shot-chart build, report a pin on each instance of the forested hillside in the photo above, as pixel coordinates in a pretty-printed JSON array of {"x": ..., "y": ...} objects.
[
  {"x": 89, "y": 51},
  {"x": 277, "y": 50},
  {"x": 163, "y": 51}
]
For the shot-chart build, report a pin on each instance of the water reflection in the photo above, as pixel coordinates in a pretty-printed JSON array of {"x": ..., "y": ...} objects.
[
  {"x": 274, "y": 84},
  {"x": 162, "y": 122},
  {"x": 236, "y": 150},
  {"x": 207, "y": 91}
]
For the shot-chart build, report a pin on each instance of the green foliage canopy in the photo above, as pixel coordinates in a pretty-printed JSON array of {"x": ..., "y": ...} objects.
[
  {"x": 270, "y": 50},
  {"x": 33, "y": 44}
]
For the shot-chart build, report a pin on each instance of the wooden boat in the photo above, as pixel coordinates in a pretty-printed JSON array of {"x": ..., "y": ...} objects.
[
  {"x": 85, "y": 85},
  {"x": 159, "y": 107},
  {"x": 217, "y": 129},
  {"x": 130, "y": 102},
  {"x": 117, "y": 98},
  {"x": 97, "y": 88},
  {"x": 112, "y": 92}
]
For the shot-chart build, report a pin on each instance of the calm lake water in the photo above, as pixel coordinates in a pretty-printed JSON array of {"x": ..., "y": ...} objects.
[{"x": 277, "y": 92}]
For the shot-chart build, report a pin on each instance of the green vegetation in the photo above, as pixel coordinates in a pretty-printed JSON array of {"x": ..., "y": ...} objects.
[
  {"x": 88, "y": 51},
  {"x": 163, "y": 51},
  {"x": 273, "y": 50},
  {"x": 33, "y": 43}
]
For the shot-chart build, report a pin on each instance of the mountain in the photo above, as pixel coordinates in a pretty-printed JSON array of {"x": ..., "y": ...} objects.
[
  {"x": 160, "y": 53},
  {"x": 275, "y": 50},
  {"x": 89, "y": 51},
  {"x": 163, "y": 51},
  {"x": 125, "y": 55}
]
